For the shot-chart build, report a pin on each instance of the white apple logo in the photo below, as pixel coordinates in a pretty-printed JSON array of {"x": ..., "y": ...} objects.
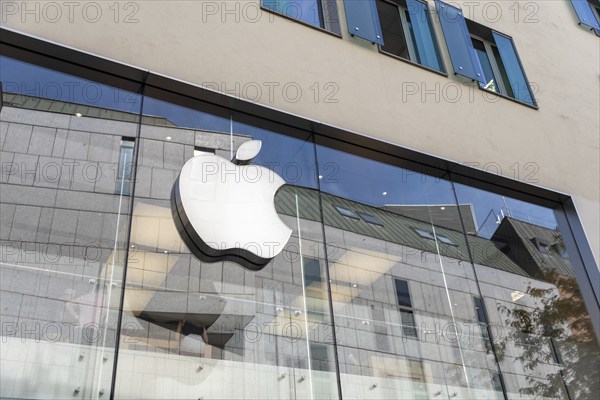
[{"x": 225, "y": 210}]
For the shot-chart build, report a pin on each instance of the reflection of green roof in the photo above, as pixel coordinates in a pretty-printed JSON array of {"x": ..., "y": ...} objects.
[
  {"x": 63, "y": 107},
  {"x": 552, "y": 260},
  {"x": 396, "y": 228}
]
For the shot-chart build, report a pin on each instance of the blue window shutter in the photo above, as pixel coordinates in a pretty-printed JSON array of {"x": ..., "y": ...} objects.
[
  {"x": 462, "y": 54},
  {"x": 424, "y": 35},
  {"x": 585, "y": 14},
  {"x": 514, "y": 69},
  {"x": 363, "y": 20}
]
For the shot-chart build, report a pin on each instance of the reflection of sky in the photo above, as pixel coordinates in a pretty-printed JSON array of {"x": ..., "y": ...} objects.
[
  {"x": 185, "y": 117},
  {"x": 344, "y": 175},
  {"x": 23, "y": 78},
  {"x": 366, "y": 181}
]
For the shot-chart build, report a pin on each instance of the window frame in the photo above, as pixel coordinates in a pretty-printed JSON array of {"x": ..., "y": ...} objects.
[
  {"x": 406, "y": 310},
  {"x": 499, "y": 80},
  {"x": 323, "y": 24},
  {"x": 402, "y": 10}
]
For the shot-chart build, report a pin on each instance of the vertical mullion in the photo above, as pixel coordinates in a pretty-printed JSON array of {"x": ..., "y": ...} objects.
[{"x": 495, "y": 69}]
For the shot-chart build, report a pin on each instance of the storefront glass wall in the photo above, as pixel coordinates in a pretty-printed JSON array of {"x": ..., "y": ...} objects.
[{"x": 397, "y": 281}]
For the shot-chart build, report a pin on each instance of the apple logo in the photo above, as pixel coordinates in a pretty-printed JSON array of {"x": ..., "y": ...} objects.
[{"x": 225, "y": 210}]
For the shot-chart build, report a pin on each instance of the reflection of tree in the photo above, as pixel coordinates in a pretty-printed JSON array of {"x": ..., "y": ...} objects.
[{"x": 559, "y": 331}]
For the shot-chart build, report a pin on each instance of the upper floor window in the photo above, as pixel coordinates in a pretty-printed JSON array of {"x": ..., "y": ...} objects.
[
  {"x": 408, "y": 32},
  {"x": 484, "y": 55},
  {"x": 320, "y": 13}
]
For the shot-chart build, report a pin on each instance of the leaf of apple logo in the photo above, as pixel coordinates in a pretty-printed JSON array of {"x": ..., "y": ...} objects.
[{"x": 225, "y": 210}]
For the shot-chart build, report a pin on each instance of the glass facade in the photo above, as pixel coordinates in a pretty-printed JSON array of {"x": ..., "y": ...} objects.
[{"x": 397, "y": 282}]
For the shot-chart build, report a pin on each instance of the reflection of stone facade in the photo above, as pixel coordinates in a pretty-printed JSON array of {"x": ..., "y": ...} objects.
[{"x": 64, "y": 240}]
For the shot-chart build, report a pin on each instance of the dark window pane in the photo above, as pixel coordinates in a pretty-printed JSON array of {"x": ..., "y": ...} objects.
[
  {"x": 402, "y": 293},
  {"x": 312, "y": 271},
  {"x": 408, "y": 323},
  {"x": 479, "y": 309},
  {"x": 200, "y": 150},
  {"x": 391, "y": 26}
]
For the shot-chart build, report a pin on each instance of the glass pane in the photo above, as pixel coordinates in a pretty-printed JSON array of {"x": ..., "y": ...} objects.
[
  {"x": 541, "y": 331},
  {"x": 391, "y": 26},
  {"x": 422, "y": 32},
  {"x": 199, "y": 320},
  {"x": 503, "y": 73},
  {"x": 63, "y": 230},
  {"x": 402, "y": 292},
  {"x": 463, "y": 57},
  {"x": 307, "y": 11},
  {"x": 488, "y": 74},
  {"x": 363, "y": 21},
  {"x": 514, "y": 69}
]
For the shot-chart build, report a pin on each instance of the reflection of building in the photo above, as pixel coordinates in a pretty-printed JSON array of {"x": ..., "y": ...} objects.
[
  {"x": 446, "y": 215},
  {"x": 391, "y": 275},
  {"x": 537, "y": 249}
]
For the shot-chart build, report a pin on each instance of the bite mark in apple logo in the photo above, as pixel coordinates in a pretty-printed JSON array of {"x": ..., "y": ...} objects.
[{"x": 225, "y": 210}]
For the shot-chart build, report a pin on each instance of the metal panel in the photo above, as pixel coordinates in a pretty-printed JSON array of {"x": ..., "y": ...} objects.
[
  {"x": 514, "y": 69},
  {"x": 462, "y": 54},
  {"x": 363, "y": 20},
  {"x": 585, "y": 14}
]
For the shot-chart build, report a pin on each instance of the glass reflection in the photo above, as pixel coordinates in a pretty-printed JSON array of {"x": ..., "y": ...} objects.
[
  {"x": 196, "y": 324},
  {"x": 541, "y": 329},
  {"x": 394, "y": 283},
  {"x": 64, "y": 223},
  {"x": 403, "y": 289}
]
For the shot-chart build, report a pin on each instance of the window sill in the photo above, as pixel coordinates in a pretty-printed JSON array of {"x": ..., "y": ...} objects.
[
  {"x": 318, "y": 28},
  {"x": 435, "y": 71}
]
